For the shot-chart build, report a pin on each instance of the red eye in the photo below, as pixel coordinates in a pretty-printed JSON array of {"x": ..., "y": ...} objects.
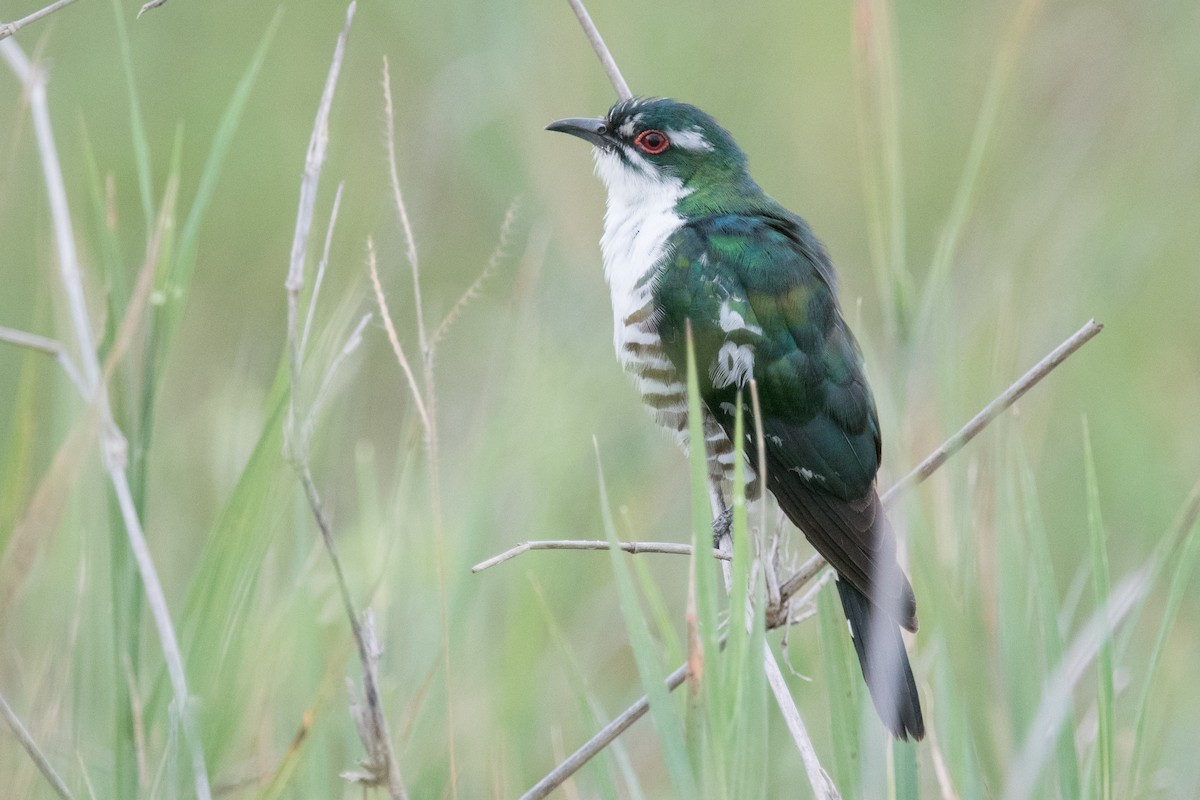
[{"x": 652, "y": 142}]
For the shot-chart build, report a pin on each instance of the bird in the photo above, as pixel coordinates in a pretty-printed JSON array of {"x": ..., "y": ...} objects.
[{"x": 691, "y": 242}]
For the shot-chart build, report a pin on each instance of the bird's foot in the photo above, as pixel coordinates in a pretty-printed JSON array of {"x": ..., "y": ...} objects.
[{"x": 722, "y": 526}]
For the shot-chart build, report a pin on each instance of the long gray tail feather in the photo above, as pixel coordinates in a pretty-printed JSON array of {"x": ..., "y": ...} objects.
[{"x": 884, "y": 664}]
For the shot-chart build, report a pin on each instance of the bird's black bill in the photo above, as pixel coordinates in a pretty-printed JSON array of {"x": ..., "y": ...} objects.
[{"x": 590, "y": 130}]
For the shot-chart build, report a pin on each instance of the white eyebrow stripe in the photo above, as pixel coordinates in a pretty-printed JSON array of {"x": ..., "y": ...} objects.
[{"x": 690, "y": 140}]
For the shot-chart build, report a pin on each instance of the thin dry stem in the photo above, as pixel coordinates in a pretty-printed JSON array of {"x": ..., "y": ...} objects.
[
  {"x": 476, "y": 286},
  {"x": 818, "y": 778},
  {"x": 634, "y": 548},
  {"x": 429, "y": 401},
  {"x": 993, "y": 409},
  {"x": 316, "y": 290},
  {"x": 603, "y": 738},
  {"x": 71, "y": 280},
  {"x": 390, "y": 327},
  {"x": 968, "y": 432},
  {"x": 410, "y": 241},
  {"x": 150, "y": 6},
  {"x": 35, "y": 753},
  {"x": 602, "y": 51},
  {"x": 816, "y": 563},
  {"x": 51, "y": 347},
  {"x": 379, "y": 766},
  {"x": 7, "y": 29}
]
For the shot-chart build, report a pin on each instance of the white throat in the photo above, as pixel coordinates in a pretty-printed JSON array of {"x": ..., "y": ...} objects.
[{"x": 641, "y": 216}]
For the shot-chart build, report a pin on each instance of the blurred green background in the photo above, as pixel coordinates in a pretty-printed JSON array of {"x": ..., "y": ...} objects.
[{"x": 1086, "y": 205}]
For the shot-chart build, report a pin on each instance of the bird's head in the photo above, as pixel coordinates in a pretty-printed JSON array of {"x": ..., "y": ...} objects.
[{"x": 659, "y": 141}]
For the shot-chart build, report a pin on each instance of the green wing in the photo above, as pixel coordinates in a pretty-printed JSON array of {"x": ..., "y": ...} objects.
[{"x": 759, "y": 292}]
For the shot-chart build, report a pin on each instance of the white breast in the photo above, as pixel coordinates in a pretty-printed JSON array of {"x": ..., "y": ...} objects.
[{"x": 641, "y": 217}]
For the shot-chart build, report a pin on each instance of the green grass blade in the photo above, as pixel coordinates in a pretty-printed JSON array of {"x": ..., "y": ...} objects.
[
  {"x": 711, "y": 681},
  {"x": 1185, "y": 566},
  {"x": 650, "y": 669},
  {"x": 175, "y": 281},
  {"x": 1021, "y": 674},
  {"x": 877, "y": 81},
  {"x": 905, "y": 776},
  {"x": 111, "y": 261},
  {"x": 842, "y": 691},
  {"x": 1104, "y": 661},
  {"x": 989, "y": 111},
  {"x": 1045, "y": 589},
  {"x": 614, "y": 755},
  {"x": 137, "y": 126}
]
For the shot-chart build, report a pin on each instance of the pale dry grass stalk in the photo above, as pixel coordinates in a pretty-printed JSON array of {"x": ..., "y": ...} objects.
[
  {"x": 41, "y": 344},
  {"x": 818, "y": 778},
  {"x": 633, "y": 548},
  {"x": 426, "y": 398},
  {"x": 379, "y": 767},
  {"x": 35, "y": 753},
  {"x": 476, "y": 288},
  {"x": 602, "y": 52},
  {"x": 113, "y": 441},
  {"x": 8, "y": 29}
]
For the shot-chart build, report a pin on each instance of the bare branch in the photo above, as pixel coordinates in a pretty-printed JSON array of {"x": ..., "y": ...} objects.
[
  {"x": 603, "y": 738},
  {"x": 822, "y": 784},
  {"x": 390, "y": 327},
  {"x": 968, "y": 432},
  {"x": 667, "y": 548},
  {"x": 7, "y": 29},
  {"x": 71, "y": 280},
  {"x": 51, "y": 347},
  {"x": 816, "y": 563},
  {"x": 597, "y": 42},
  {"x": 994, "y": 409},
  {"x": 34, "y": 751}
]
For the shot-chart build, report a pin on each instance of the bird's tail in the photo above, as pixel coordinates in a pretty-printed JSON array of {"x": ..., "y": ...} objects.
[{"x": 884, "y": 664}]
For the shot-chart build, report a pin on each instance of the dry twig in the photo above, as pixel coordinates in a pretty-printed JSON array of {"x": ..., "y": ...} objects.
[
  {"x": 113, "y": 440},
  {"x": 35, "y": 753},
  {"x": 669, "y": 548},
  {"x": 597, "y": 42},
  {"x": 815, "y": 564},
  {"x": 8, "y": 29},
  {"x": 379, "y": 767},
  {"x": 427, "y": 400}
]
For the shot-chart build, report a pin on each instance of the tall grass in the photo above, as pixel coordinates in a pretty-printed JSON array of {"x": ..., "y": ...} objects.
[{"x": 1055, "y": 592}]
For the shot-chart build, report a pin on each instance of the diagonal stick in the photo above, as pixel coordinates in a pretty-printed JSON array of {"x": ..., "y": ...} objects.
[
  {"x": 621, "y": 723},
  {"x": 597, "y": 42},
  {"x": 8, "y": 29}
]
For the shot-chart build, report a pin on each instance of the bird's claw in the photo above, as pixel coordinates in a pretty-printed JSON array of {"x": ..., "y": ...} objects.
[{"x": 722, "y": 526}]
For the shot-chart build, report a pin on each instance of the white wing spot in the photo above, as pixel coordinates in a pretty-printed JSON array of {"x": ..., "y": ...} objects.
[
  {"x": 807, "y": 474},
  {"x": 732, "y": 320},
  {"x": 729, "y": 408},
  {"x": 734, "y": 364}
]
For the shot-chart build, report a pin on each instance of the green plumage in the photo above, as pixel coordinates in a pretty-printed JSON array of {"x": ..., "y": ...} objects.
[{"x": 760, "y": 296}]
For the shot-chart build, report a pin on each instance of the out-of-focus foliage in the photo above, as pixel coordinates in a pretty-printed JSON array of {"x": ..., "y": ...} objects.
[{"x": 1084, "y": 206}]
